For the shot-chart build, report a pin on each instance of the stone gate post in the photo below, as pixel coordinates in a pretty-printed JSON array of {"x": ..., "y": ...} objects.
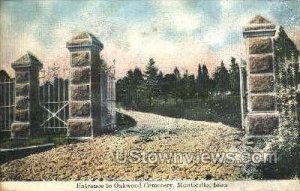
[
  {"x": 85, "y": 94},
  {"x": 262, "y": 116},
  {"x": 26, "y": 119}
]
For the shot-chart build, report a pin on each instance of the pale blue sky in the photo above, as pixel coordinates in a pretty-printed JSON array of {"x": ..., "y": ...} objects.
[{"x": 181, "y": 33}]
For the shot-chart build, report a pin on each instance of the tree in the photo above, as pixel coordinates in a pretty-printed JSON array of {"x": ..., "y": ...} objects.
[
  {"x": 169, "y": 86},
  {"x": 285, "y": 48},
  {"x": 151, "y": 82},
  {"x": 138, "y": 76},
  {"x": 151, "y": 70},
  {"x": 160, "y": 78},
  {"x": 177, "y": 84},
  {"x": 126, "y": 88},
  {"x": 187, "y": 89},
  {"x": 202, "y": 81},
  {"x": 136, "y": 90},
  {"x": 192, "y": 86},
  {"x": 234, "y": 77},
  {"x": 177, "y": 73},
  {"x": 221, "y": 78},
  {"x": 199, "y": 80},
  {"x": 205, "y": 81}
]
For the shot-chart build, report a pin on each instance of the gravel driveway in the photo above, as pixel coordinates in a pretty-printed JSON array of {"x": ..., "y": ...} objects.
[{"x": 102, "y": 157}]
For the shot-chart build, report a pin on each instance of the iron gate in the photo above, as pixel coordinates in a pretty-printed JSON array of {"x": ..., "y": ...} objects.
[
  {"x": 54, "y": 99},
  {"x": 7, "y": 101}
]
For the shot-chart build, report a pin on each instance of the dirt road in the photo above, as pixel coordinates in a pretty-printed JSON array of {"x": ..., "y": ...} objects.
[{"x": 134, "y": 154}]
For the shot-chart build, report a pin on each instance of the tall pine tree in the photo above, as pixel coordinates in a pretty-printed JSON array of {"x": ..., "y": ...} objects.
[
  {"x": 151, "y": 81},
  {"x": 221, "y": 78},
  {"x": 234, "y": 77},
  {"x": 199, "y": 80},
  {"x": 177, "y": 84},
  {"x": 205, "y": 81}
]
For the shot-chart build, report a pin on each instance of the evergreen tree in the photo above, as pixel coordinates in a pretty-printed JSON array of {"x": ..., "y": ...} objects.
[
  {"x": 151, "y": 70},
  {"x": 192, "y": 86},
  {"x": 285, "y": 48},
  {"x": 160, "y": 78},
  {"x": 234, "y": 77},
  {"x": 137, "y": 89},
  {"x": 151, "y": 82},
  {"x": 168, "y": 86},
  {"x": 177, "y": 84},
  {"x": 138, "y": 76},
  {"x": 177, "y": 73},
  {"x": 125, "y": 88},
  {"x": 199, "y": 80},
  {"x": 221, "y": 78},
  {"x": 205, "y": 81},
  {"x": 202, "y": 81},
  {"x": 187, "y": 89}
]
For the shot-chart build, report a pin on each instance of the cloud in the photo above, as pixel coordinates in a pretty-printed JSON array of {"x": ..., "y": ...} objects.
[
  {"x": 176, "y": 15},
  {"x": 174, "y": 33},
  {"x": 14, "y": 45},
  {"x": 227, "y": 5}
]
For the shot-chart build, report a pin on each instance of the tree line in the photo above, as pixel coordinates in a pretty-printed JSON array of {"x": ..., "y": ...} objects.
[{"x": 138, "y": 87}]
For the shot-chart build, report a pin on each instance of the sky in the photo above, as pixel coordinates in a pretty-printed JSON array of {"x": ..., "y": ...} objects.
[{"x": 175, "y": 33}]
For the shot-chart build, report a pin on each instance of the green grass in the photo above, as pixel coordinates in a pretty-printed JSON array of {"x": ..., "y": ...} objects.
[
  {"x": 124, "y": 121},
  {"x": 219, "y": 109}
]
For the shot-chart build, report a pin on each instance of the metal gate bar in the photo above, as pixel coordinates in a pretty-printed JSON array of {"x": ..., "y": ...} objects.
[
  {"x": 7, "y": 98},
  {"x": 54, "y": 101}
]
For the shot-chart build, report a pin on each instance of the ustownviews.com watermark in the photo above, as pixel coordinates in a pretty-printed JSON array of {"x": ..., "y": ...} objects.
[{"x": 137, "y": 156}]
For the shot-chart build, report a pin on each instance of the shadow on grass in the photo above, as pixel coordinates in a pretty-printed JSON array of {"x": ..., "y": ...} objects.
[
  {"x": 124, "y": 121},
  {"x": 220, "y": 109}
]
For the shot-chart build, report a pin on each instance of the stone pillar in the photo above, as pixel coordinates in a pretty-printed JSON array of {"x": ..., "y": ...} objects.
[
  {"x": 26, "y": 119},
  {"x": 262, "y": 116},
  {"x": 85, "y": 94}
]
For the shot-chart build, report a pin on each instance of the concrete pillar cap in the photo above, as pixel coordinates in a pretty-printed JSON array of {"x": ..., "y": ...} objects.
[
  {"x": 27, "y": 60},
  {"x": 84, "y": 39},
  {"x": 259, "y": 26}
]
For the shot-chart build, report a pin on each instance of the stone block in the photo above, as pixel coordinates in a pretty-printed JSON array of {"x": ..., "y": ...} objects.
[
  {"x": 22, "y": 115},
  {"x": 22, "y": 77},
  {"x": 80, "y": 59},
  {"x": 80, "y": 75},
  {"x": 22, "y": 89},
  {"x": 22, "y": 103},
  {"x": 19, "y": 130},
  {"x": 261, "y": 124},
  {"x": 261, "y": 83},
  {"x": 258, "y": 45},
  {"x": 262, "y": 103},
  {"x": 79, "y": 93},
  {"x": 79, "y": 128},
  {"x": 261, "y": 64},
  {"x": 80, "y": 109}
]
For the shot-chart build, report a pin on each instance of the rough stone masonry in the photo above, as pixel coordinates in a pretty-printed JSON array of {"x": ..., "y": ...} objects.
[
  {"x": 85, "y": 95},
  {"x": 262, "y": 117},
  {"x": 26, "y": 122}
]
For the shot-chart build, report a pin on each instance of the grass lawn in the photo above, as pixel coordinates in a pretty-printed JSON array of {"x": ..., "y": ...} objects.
[{"x": 225, "y": 109}]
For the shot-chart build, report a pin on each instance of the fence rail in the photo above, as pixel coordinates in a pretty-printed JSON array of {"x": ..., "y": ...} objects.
[{"x": 7, "y": 101}]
